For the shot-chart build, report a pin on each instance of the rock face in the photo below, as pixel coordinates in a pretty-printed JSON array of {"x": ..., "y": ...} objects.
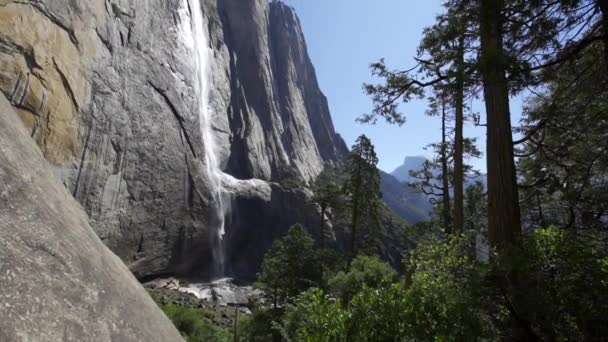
[
  {"x": 279, "y": 117},
  {"x": 59, "y": 282},
  {"x": 402, "y": 172},
  {"x": 109, "y": 89},
  {"x": 405, "y": 202}
]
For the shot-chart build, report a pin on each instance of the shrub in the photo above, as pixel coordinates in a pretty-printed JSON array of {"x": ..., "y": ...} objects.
[
  {"x": 364, "y": 271},
  {"x": 191, "y": 324},
  {"x": 566, "y": 286},
  {"x": 260, "y": 325},
  {"x": 312, "y": 317},
  {"x": 447, "y": 296},
  {"x": 290, "y": 267},
  {"x": 561, "y": 294}
]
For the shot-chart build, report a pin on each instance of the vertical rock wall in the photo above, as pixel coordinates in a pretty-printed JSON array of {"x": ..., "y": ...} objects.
[{"x": 108, "y": 89}]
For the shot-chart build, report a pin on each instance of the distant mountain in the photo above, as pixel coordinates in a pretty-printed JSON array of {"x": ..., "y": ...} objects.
[
  {"x": 404, "y": 201},
  {"x": 412, "y": 206},
  {"x": 402, "y": 173}
]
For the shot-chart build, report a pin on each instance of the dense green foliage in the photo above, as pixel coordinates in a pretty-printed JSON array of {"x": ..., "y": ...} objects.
[
  {"x": 564, "y": 158},
  {"x": 452, "y": 297},
  {"x": 192, "y": 325},
  {"x": 364, "y": 271},
  {"x": 329, "y": 196},
  {"x": 261, "y": 325},
  {"x": 290, "y": 267},
  {"x": 567, "y": 286},
  {"x": 363, "y": 197}
]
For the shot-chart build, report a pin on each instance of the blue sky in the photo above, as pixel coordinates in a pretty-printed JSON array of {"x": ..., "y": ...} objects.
[{"x": 344, "y": 37}]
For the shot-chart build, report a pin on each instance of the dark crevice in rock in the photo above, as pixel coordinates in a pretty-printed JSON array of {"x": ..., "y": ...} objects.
[
  {"x": 25, "y": 91},
  {"x": 12, "y": 97},
  {"x": 104, "y": 41},
  {"x": 40, "y": 247},
  {"x": 82, "y": 159},
  {"x": 119, "y": 12},
  {"x": 189, "y": 186},
  {"x": 119, "y": 155},
  {"x": 129, "y": 34},
  {"x": 178, "y": 117},
  {"x": 30, "y": 59},
  {"x": 140, "y": 245},
  {"x": 67, "y": 86},
  {"x": 43, "y": 102},
  {"x": 9, "y": 47}
]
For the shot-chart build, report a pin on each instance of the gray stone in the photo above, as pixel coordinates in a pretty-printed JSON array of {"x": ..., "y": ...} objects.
[
  {"x": 58, "y": 281},
  {"x": 111, "y": 97}
]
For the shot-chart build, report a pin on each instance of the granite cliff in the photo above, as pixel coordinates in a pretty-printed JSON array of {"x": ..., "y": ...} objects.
[
  {"x": 110, "y": 91},
  {"x": 59, "y": 282}
]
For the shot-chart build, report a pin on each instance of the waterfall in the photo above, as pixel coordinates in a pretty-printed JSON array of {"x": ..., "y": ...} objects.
[{"x": 215, "y": 174}]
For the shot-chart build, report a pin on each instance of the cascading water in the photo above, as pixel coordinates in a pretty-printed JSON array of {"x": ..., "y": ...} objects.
[
  {"x": 220, "y": 290},
  {"x": 214, "y": 172}
]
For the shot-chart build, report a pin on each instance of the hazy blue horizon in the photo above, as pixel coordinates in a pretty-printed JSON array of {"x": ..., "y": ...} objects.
[{"x": 343, "y": 38}]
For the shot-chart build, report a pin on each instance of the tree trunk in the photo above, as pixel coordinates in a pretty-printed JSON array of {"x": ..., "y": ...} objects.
[
  {"x": 446, "y": 212},
  {"x": 540, "y": 211},
  {"x": 322, "y": 230},
  {"x": 353, "y": 233},
  {"x": 504, "y": 224},
  {"x": 458, "y": 140},
  {"x": 603, "y": 5},
  {"x": 355, "y": 217}
]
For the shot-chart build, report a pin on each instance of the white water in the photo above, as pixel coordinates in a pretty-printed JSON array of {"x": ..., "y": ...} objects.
[
  {"x": 200, "y": 41},
  {"x": 222, "y": 185},
  {"x": 221, "y": 292}
]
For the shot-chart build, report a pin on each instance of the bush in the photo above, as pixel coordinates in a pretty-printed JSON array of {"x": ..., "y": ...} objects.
[
  {"x": 381, "y": 314},
  {"x": 373, "y": 315},
  {"x": 566, "y": 286},
  {"x": 364, "y": 271},
  {"x": 260, "y": 325},
  {"x": 191, "y": 324},
  {"x": 553, "y": 287},
  {"x": 447, "y": 296},
  {"x": 312, "y": 317},
  {"x": 290, "y": 267}
]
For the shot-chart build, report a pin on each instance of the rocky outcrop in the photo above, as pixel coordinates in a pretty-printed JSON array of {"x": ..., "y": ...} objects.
[
  {"x": 59, "y": 282},
  {"x": 109, "y": 89},
  {"x": 46, "y": 49},
  {"x": 279, "y": 118}
]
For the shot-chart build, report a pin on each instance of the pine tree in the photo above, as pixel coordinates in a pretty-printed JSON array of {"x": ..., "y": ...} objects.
[
  {"x": 437, "y": 177},
  {"x": 563, "y": 161},
  {"x": 290, "y": 266},
  {"x": 364, "y": 197},
  {"x": 503, "y": 202},
  {"x": 328, "y": 196},
  {"x": 444, "y": 66}
]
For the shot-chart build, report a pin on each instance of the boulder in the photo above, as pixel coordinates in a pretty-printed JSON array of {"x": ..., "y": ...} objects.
[{"x": 58, "y": 281}]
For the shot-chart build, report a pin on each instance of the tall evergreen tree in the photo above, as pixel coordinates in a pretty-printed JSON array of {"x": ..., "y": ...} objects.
[
  {"x": 444, "y": 66},
  {"x": 364, "y": 197},
  {"x": 290, "y": 267},
  {"x": 503, "y": 201},
  {"x": 328, "y": 196},
  {"x": 563, "y": 162}
]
